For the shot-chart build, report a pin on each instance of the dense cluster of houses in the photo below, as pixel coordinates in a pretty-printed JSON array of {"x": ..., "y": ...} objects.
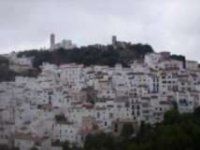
[{"x": 68, "y": 102}]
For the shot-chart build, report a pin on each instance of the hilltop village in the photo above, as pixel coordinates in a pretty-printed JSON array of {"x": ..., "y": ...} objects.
[{"x": 70, "y": 101}]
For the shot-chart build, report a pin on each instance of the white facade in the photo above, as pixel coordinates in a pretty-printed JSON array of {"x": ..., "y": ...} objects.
[{"x": 92, "y": 98}]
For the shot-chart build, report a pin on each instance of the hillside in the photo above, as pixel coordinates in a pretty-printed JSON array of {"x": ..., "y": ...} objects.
[
  {"x": 88, "y": 55},
  {"x": 6, "y": 74},
  {"x": 91, "y": 55},
  {"x": 176, "y": 132}
]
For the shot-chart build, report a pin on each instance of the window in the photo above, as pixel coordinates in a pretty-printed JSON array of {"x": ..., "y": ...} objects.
[
  {"x": 98, "y": 115},
  {"x": 116, "y": 127},
  {"x": 111, "y": 115}
]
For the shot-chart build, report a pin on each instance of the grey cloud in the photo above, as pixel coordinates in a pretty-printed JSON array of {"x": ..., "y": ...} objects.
[{"x": 166, "y": 25}]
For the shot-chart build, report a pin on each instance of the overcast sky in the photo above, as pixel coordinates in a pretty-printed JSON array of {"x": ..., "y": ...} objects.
[{"x": 167, "y": 25}]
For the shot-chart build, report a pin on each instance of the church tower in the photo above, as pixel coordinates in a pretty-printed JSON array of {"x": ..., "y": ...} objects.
[{"x": 52, "y": 41}]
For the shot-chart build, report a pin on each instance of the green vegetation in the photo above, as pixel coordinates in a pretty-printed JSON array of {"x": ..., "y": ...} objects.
[
  {"x": 177, "y": 132},
  {"x": 179, "y": 58},
  {"x": 5, "y": 73},
  {"x": 91, "y": 55},
  {"x": 5, "y": 147},
  {"x": 127, "y": 130},
  {"x": 34, "y": 148},
  {"x": 60, "y": 118},
  {"x": 88, "y": 55}
]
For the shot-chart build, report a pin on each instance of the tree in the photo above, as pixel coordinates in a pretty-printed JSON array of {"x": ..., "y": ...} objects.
[
  {"x": 90, "y": 55},
  {"x": 171, "y": 117},
  {"x": 65, "y": 145},
  {"x": 197, "y": 112},
  {"x": 127, "y": 130},
  {"x": 60, "y": 118},
  {"x": 34, "y": 148},
  {"x": 179, "y": 58},
  {"x": 100, "y": 141}
]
